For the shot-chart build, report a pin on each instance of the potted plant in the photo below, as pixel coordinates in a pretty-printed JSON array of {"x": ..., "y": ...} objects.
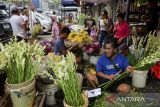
[
  {"x": 22, "y": 61},
  {"x": 92, "y": 50},
  {"x": 145, "y": 52},
  {"x": 66, "y": 78}
]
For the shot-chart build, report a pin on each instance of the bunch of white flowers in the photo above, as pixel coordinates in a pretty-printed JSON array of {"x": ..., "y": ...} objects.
[
  {"x": 22, "y": 60},
  {"x": 66, "y": 78},
  {"x": 148, "y": 61}
]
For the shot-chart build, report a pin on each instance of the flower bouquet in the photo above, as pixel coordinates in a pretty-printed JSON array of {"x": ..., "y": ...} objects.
[
  {"x": 21, "y": 63},
  {"x": 92, "y": 49},
  {"x": 81, "y": 37},
  {"x": 66, "y": 78},
  {"x": 54, "y": 57},
  {"x": 155, "y": 70},
  {"x": 21, "y": 60},
  {"x": 36, "y": 30},
  {"x": 48, "y": 45}
]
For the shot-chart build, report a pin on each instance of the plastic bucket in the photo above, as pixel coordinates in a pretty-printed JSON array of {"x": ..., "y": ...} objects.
[
  {"x": 85, "y": 56},
  {"x": 139, "y": 79},
  {"x": 93, "y": 59},
  {"x": 80, "y": 79},
  {"x": 85, "y": 98},
  {"x": 22, "y": 94},
  {"x": 51, "y": 90}
]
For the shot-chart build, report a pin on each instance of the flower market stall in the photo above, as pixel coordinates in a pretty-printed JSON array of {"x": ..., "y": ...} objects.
[{"x": 58, "y": 78}]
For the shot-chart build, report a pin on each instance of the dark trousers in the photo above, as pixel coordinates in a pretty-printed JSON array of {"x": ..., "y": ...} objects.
[{"x": 104, "y": 36}]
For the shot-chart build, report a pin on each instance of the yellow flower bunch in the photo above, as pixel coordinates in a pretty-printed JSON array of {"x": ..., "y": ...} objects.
[
  {"x": 92, "y": 71},
  {"x": 54, "y": 57},
  {"x": 36, "y": 29},
  {"x": 79, "y": 37}
]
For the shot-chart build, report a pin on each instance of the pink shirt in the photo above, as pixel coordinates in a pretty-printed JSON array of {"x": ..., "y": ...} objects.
[
  {"x": 55, "y": 30},
  {"x": 122, "y": 30},
  {"x": 55, "y": 27}
]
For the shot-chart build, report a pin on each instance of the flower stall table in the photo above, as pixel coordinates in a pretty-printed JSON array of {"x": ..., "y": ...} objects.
[{"x": 40, "y": 100}]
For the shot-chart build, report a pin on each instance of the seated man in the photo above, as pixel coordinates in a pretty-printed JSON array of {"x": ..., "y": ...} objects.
[
  {"x": 60, "y": 48},
  {"x": 111, "y": 63},
  {"x": 124, "y": 49}
]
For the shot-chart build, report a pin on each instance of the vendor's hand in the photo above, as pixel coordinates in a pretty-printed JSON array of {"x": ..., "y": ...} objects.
[
  {"x": 111, "y": 77},
  {"x": 130, "y": 69}
]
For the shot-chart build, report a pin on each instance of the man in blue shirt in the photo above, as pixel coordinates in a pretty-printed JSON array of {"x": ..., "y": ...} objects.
[
  {"x": 111, "y": 63},
  {"x": 60, "y": 48}
]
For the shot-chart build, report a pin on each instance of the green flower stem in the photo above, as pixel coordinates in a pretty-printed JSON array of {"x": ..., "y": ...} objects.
[
  {"x": 66, "y": 77},
  {"x": 110, "y": 82},
  {"x": 22, "y": 60}
]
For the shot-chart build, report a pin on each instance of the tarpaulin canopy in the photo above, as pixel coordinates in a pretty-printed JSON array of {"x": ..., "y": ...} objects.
[{"x": 69, "y": 3}]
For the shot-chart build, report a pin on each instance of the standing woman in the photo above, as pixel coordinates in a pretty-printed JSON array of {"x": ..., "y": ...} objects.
[
  {"x": 55, "y": 27},
  {"x": 105, "y": 27},
  {"x": 121, "y": 30}
]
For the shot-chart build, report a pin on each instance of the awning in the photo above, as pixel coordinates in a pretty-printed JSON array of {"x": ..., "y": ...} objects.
[
  {"x": 96, "y": 1},
  {"x": 69, "y": 3}
]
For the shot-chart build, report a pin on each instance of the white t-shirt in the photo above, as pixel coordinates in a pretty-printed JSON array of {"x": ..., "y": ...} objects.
[
  {"x": 105, "y": 24},
  {"x": 25, "y": 18},
  {"x": 102, "y": 24},
  {"x": 18, "y": 30}
]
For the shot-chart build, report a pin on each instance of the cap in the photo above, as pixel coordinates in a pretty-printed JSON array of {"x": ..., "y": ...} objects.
[
  {"x": 13, "y": 7},
  {"x": 123, "y": 47}
]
